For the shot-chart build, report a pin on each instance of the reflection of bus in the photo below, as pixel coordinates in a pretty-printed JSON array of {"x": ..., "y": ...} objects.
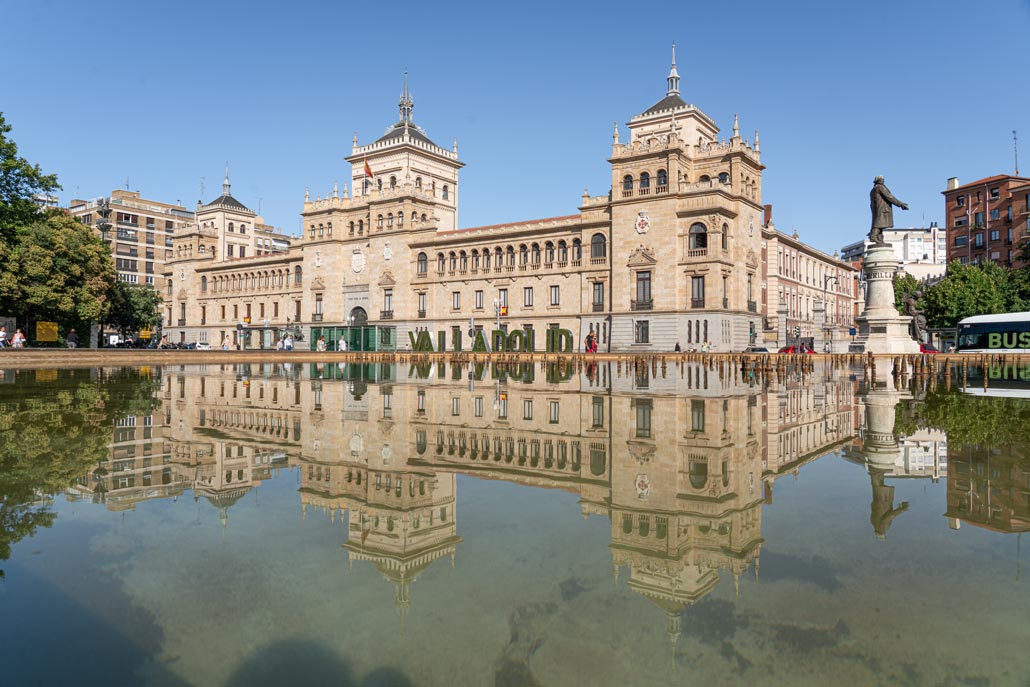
[
  {"x": 1009, "y": 380},
  {"x": 1009, "y": 333}
]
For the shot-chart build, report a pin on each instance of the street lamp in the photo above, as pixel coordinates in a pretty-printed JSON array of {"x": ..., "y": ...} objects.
[{"x": 827, "y": 278}]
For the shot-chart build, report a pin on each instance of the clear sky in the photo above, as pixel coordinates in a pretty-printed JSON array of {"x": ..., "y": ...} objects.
[{"x": 164, "y": 93}]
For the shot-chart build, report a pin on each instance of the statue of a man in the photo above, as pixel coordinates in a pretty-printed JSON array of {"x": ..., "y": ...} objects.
[
  {"x": 918, "y": 326},
  {"x": 880, "y": 202}
]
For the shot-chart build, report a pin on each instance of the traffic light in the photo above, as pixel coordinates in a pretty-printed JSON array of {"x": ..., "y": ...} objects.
[{"x": 797, "y": 330}]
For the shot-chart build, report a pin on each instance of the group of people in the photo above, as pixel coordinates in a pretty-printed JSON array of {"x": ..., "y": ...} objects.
[
  {"x": 590, "y": 345},
  {"x": 706, "y": 347},
  {"x": 321, "y": 346},
  {"x": 285, "y": 343},
  {"x": 17, "y": 341}
]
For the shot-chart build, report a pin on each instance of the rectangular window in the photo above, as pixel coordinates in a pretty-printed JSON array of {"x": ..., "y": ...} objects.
[
  {"x": 643, "y": 288},
  {"x": 236, "y": 312},
  {"x": 598, "y": 299},
  {"x": 960, "y": 200},
  {"x": 555, "y": 295},
  {"x": 296, "y": 311},
  {"x": 422, "y": 304},
  {"x": 527, "y": 296},
  {"x": 978, "y": 239},
  {"x": 978, "y": 219},
  {"x": 229, "y": 250},
  {"x": 552, "y": 412},
  {"x": 243, "y": 251},
  {"x": 643, "y": 409},
  {"x": 388, "y": 300},
  {"x": 456, "y": 406},
  {"x": 961, "y": 241},
  {"x": 318, "y": 304},
  {"x": 961, "y": 221},
  {"x": 995, "y": 235},
  {"x": 697, "y": 416},
  {"x": 527, "y": 409},
  {"x": 697, "y": 292},
  {"x": 479, "y": 300},
  {"x": 995, "y": 193},
  {"x": 641, "y": 332},
  {"x": 478, "y": 403},
  {"x": 456, "y": 300},
  {"x": 502, "y": 297},
  {"x": 275, "y": 310},
  {"x": 421, "y": 403},
  {"x": 996, "y": 213},
  {"x": 502, "y": 407},
  {"x": 598, "y": 412}
]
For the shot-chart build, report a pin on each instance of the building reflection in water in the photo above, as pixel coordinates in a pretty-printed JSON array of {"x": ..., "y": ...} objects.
[{"x": 680, "y": 463}]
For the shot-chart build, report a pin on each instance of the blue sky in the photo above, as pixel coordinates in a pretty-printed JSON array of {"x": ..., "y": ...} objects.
[{"x": 164, "y": 93}]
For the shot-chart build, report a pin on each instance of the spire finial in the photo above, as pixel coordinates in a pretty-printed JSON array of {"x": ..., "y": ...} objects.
[
  {"x": 674, "y": 77},
  {"x": 615, "y": 133},
  {"x": 307, "y": 194},
  {"x": 406, "y": 103},
  {"x": 336, "y": 190},
  {"x": 757, "y": 149},
  {"x": 736, "y": 126},
  {"x": 225, "y": 184}
]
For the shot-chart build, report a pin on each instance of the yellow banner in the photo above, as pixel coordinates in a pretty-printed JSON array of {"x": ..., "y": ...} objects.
[{"x": 46, "y": 331}]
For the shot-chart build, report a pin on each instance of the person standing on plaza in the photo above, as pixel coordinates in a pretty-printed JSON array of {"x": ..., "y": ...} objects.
[
  {"x": 3, "y": 336},
  {"x": 320, "y": 345},
  {"x": 678, "y": 348},
  {"x": 225, "y": 343},
  {"x": 18, "y": 341},
  {"x": 288, "y": 342},
  {"x": 72, "y": 340},
  {"x": 342, "y": 345}
]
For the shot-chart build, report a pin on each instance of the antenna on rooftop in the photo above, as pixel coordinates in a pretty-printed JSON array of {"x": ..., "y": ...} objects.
[
  {"x": 126, "y": 183},
  {"x": 259, "y": 204},
  {"x": 1015, "y": 148},
  {"x": 202, "y": 187}
]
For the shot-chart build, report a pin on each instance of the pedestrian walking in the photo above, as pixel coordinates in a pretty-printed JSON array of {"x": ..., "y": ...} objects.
[
  {"x": 320, "y": 344},
  {"x": 288, "y": 343},
  {"x": 72, "y": 340},
  {"x": 225, "y": 343},
  {"x": 678, "y": 349},
  {"x": 342, "y": 345},
  {"x": 3, "y": 337},
  {"x": 18, "y": 341}
]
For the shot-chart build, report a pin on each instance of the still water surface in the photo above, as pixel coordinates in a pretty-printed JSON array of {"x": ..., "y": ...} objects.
[{"x": 441, "y": 525}]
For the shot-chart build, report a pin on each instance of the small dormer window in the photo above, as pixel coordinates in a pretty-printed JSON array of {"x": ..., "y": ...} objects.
[
  {"x": 393, "y": 182},
  {"x": 418, "y": 183},
  {"x": 724, "y": 178},
  {"x": 230, "y": 226}
]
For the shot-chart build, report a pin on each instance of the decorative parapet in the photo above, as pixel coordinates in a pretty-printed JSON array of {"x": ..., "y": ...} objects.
[
  {"x": 372, "y": 196},
  {"x": 406, "y": 139}
]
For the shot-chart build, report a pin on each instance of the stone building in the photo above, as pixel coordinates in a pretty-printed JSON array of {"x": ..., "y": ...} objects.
[{"x": 671, "y": 253}]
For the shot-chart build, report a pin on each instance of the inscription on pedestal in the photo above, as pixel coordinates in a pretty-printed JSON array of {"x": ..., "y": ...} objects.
[{"x": 878, "y": 330}]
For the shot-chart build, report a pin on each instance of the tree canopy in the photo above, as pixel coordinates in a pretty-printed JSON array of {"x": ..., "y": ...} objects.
[
  {"x": 968, "y": 290},
  {"x": 134, "y": 307},
  {"x": 19, "y": 182}
]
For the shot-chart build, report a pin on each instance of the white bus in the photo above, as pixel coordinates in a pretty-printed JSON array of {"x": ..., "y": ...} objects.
[{"x": 1008, "y": 333}]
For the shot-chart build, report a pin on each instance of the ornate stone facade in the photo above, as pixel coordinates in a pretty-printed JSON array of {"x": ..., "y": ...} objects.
[{"x": 670, "y": 254}]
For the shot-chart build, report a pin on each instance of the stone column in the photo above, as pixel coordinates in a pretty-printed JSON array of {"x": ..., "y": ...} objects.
[
  {"x": 819, "y": 315},
  {"x": 781, "y": 325}
]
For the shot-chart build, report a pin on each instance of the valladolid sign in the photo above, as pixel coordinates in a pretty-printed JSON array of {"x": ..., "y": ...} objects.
[{"x": 517, "y": 341}]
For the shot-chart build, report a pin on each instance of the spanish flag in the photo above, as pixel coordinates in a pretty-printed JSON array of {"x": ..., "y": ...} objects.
[{"x": 368, "y": 170}]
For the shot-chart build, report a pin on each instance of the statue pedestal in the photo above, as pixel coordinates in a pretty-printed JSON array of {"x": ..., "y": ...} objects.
[{"x": 880, "y": 328}]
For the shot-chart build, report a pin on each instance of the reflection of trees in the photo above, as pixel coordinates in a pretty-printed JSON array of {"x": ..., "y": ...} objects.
[
  {"x": 54, "y": 431},
  {"x": 975, "y": 420}
]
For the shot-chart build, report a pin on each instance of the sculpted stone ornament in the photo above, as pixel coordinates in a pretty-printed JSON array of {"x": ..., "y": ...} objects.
[
  {"x": 643, "y": 222},
  {"x": 918, "y": 326},
  {"x": 882, "y": 203},
  {"x": 357, "y": 261}
]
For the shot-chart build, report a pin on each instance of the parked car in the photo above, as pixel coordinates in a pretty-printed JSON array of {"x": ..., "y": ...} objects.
[
  {"x": 796, "y": 349},
  {"x": 756, "y": 349},
  {"x": 203, "y": 346},
  {"x": 928, "y": 348}
]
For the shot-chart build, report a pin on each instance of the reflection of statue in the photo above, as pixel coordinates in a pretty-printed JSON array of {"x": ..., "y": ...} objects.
[
  {"x": 881, "y": 202},
  {"x": 882, "y": 511},
  {"x": 918, "y": 326}
]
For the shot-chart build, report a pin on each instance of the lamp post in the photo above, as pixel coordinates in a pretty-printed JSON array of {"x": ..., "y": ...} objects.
[{"x": 827, "y": 278}]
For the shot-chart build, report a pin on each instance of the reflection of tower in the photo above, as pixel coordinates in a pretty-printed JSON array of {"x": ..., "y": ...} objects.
[
  {"x": 686, "y": 499},
  {"x": 399, "y": 520}
]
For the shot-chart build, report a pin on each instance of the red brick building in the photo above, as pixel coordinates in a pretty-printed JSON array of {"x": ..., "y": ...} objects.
[{"x": 987, "y": 219}]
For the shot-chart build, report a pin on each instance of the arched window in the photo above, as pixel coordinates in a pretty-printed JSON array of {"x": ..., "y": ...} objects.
[
  {"x": 627, "y": 182},
  {"x": 475, "y": 258},
  {"x": 463, "y": 261},
  {"x": 230, "y": 226},
  {"x": 389, "y": 220},
  {"x": 454, "y": 261},
  {"x": 563, "y": 252},
  {"x": 549, "y": 252},
  {"x": 535, "y": 253},
  {"x": 705, "y": 179},
  {"x": 663, "y": 179},
  {"x": 598, "y": 246},
  {"x": 203, "y": 284},
  {"x": 400, "y": 219},
  {"x": 511, "y": 256},
  {"x": 379, "y": 222},
  {"x": 379, "y": 184},
  {"x": 725, "y": 236},
  {"x": 423, "y": 218},
  {"x": 698, "y": 236},
  {"x": 486, "y": 258},
  {"x": 577, "y": 249},
  {"x": 414, "y": 217},
  {"x": 440, "y": 261},
  {"x": 297, "y": 275},
  {"x": 446, "y": 192},
  {"x": 523, "y": 254},
  {"x": 321, "y": 230},
  {"x": 329, "y": 229},
  {"x": 311, "y": 231},
  {"x": 352, "y": 228},
  {"x": 724, "y": 178},
  {"x": 393, "y": 182},
  {"x": 361, "y": 227},
  {"x": 423, "y": 263},
  {"x": 645, "y": 180},
  {"x": 243, "y": 228},
  {"x": 498, "y": 258},
  {"x": 418, "y": 183}
]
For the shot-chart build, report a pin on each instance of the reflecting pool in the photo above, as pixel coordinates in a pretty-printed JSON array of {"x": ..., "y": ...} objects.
[{"x": 538, "y": 525}]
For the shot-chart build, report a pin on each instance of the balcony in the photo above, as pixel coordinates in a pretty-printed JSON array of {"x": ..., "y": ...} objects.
[
  {"x": 697, "y": 253},
  {"x": 182, "y": 322},
  {"x": 421, "y": 275},
  {"x": 386, "y": 314},
  {"x": 697, "y": 302},
  {"x": 598, "y": 261},
  {"x": 422, "y": 314},
  {"x": 576, "y": 262},
  {"x": 752, "y": 306},
  {"x": 641, "y": 305},
  {"x": 316, "y": 317}
]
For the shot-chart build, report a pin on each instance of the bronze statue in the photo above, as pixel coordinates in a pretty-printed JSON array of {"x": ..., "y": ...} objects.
[
  {"x": 880, "y": 202},
  {"x": 918, "y": 326}
]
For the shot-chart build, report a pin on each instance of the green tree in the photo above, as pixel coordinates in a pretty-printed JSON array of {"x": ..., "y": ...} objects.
[
  {"x": 56, "y": 270},
  {"x": 968, "y": 290},
  {"x": 19, "y": 181},
  {"x": 134, "y": 307}
]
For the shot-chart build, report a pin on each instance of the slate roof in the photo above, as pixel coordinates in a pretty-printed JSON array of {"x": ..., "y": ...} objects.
[
  {"x": 669, "y": 102},
  {"x": 397, "y": 131},
  {"x": 227, "y": 201}
]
